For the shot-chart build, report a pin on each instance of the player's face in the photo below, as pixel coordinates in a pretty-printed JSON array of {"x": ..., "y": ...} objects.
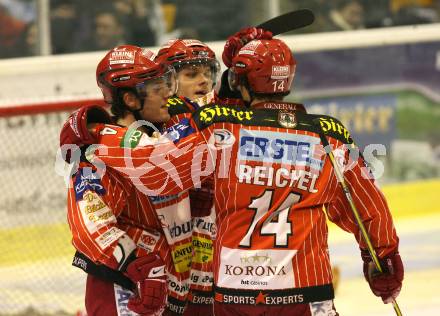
[
  {"x": 155, "y": 109},
  {"x": 194, "y": 81}
]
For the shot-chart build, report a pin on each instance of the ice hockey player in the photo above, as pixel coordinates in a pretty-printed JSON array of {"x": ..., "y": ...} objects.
[
  {"x": 118, "y": 234},
  {"x": 196, "y": 71},
  {"x": 272, "y": 182}
]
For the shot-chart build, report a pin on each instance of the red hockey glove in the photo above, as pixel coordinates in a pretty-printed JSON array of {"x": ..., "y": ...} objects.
[
  {"x": 239, "y": 39},
  {"x": 75, "y": 130},
  {"x": 148, "y": 273},
  {"x": 387, "y": 284},
  {"x": 201, "y": 201}
]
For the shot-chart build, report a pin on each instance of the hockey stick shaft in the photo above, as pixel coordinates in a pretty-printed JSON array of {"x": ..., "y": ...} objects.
[
  {"x": 346, "y": 190},
  {"x": 288, "y": 22}
]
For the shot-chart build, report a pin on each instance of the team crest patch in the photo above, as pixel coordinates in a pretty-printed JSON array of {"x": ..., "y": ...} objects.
[
  {"x": 179, "y": 131},
  {"x": 119, "y": 56},
  {"x": 87, "y": 180},
  {"x": 148, "y": 240},
  {"x": 280, "y": 72},
  {"x": 287, "y": 119},
  {"x": 222, "y": 138}
]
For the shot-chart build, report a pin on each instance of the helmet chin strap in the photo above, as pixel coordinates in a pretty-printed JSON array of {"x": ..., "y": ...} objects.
[
  {"x": 250, "y": 93},
  {"x": 137, "y": 112}
]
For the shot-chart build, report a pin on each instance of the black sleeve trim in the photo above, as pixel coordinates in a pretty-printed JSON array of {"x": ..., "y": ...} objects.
[{"x": 101, "y": 271}]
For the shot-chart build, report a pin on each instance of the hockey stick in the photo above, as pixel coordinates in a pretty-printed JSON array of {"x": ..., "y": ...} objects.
[
  {"x": 346, "y": 190},
  {"x": 288, "y": 22}
]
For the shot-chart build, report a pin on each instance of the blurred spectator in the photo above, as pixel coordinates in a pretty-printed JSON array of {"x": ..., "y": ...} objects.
[
  {"x": 157, "y": 19},
  {"x": 84, "y": 25},
  {"x": 357, "y": 14},
  {"x": 63, "y": 20},
  {"x": 80, "y": 25},
  {"x": 184, "y": 30},
  {"x": 211, "y": 20},
  {"x": 377, "y": 13},
  {"x": 137, "y": 17},
  {"x": 345, "y": 15},
  {"x": 415, "y": 14},
  {"x": 28, "y": 41},
  {"x": 10, "y": 32},
  {"x": 320, "y": 9},
  {"x": 23, "y": 10},
  {"x": 31, "y": 39},
  {"x": 108, "y": 31}
]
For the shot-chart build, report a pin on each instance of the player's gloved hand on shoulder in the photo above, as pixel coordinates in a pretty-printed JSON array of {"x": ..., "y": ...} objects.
[
  {"x": 75, "y": 129},
  {"x": 148, "y": 273},
  {"x": 241, "y": 38},
  {"x": 387, "y": 285}
]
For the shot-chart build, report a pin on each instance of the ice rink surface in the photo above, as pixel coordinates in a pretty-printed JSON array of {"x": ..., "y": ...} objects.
[{"x": 420, "y": 251}]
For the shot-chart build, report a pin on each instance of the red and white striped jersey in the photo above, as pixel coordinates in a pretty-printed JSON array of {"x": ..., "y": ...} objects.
[
  {"x": 104, "y": 209},
  {"x": 109, "y": 219},
  {"x": 272, "y": 183},
  {"x": 202, "y": 215}
]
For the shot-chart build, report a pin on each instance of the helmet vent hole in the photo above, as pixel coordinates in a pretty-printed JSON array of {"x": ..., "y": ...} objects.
[{"x": 177, "y": 57}]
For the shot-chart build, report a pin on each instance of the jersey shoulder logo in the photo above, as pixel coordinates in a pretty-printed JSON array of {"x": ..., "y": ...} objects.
[
  {"x": 287, "y": 119},
  {"x": 215, "y": 113},
  {"x": 177, "y": 106},
  {"x": 179, "y": 130},
  {"x": 222, "y": 138},
  {"x": 333, "y": 128},
  {"x": 87, "y": 180}
]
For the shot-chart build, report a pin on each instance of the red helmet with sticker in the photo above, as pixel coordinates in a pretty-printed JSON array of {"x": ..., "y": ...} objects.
[
  {"x": 129, "y": 66},
  {"x": 180, "y": 52},
  {"x": 268, "y": 66}
]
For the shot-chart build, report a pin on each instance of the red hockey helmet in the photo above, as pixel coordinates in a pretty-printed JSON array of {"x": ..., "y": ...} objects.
[
  {"x": 129, "y": 66},
  {"x": 180, "y": 52},
  {"x": 268, "y": 66}
]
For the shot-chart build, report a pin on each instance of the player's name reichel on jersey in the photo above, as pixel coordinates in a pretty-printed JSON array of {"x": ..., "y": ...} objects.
[
  {"x": 109, "y": 219},
  {"x": 273, "y": 186}
]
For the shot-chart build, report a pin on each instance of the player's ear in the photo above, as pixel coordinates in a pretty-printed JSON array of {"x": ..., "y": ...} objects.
[{"x": 131, "y": 100}]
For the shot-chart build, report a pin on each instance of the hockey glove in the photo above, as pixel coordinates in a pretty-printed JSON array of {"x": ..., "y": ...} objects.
[
  {"x": 148, "y": 273},
  {"x": 235, "y": 42},
  {"x": 201, "y": 201},
  {"x": 387, "y": 285},
  {"x": 75, "y": 130}
]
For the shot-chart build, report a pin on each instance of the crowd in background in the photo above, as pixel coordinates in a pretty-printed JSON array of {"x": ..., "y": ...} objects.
[{"x": 82, "y": 25}]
